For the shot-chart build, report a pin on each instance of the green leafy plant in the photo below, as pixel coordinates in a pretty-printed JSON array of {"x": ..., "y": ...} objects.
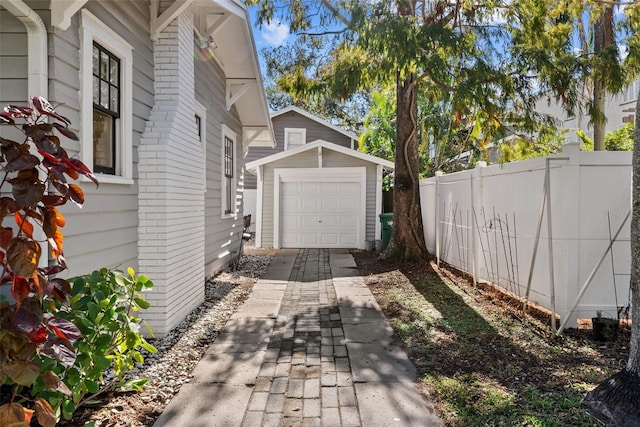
[
  {"x": 620, "y": 139},
  {"x": 103, "y": 306},
  {"x": 56, "y": 341}
]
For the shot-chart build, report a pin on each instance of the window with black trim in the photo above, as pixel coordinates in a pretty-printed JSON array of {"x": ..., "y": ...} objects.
[
  {"x": 228, "y": 174},
  {"x": 106, "y": 109}
]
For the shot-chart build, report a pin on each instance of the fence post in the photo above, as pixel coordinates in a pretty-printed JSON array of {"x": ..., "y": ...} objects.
[
  {"x": 476, "y": 200},
  {"x": 438, "y": 175}
]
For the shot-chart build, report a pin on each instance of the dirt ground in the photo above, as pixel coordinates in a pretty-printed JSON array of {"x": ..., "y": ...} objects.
[{"x": 483, "y": 362}]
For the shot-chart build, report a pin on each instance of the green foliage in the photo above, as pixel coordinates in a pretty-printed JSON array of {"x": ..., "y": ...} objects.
[
  {"x": 102, "y": 305},
  {"x": 519, "y": 148},
  {"x": 620, "y": 139},
  {"x": 32, "y": 340}
]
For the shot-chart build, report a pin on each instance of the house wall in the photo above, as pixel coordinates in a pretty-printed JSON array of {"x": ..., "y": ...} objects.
[
  {"x": 13, "y": 61},
  {"x": 309, "y": 159},
  {"x": 222, "y": 235},
  {"x": 485, "y": 221},
  {"x": 171, "y": 215},
  {"x": 104, "y": 232},
  {"x": 293, "y": 119}
]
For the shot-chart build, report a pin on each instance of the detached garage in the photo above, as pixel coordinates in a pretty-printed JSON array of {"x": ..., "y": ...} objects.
[{"x": 319, "y": 195}]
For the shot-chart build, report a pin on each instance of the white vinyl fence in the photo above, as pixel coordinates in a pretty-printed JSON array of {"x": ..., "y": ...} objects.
[{"x": 488, "y": 221}]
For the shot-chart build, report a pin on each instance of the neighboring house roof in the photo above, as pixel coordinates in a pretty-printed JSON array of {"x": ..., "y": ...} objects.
[
  {"x": 253, "y": 166},
  {"x": 314, "y": 118}
]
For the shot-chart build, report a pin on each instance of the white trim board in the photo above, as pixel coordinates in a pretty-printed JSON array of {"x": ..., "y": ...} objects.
[
  {"x": 251, "y": 166},
  {"x": 357, "y": 174}
]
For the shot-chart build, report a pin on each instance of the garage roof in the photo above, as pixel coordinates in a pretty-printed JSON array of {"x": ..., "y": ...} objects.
[{"x": 253, "y": 166}]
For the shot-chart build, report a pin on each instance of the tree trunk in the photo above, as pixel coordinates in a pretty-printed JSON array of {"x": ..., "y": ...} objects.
[
  {"x": 602, "y": 38},
  {"x": 616, "y": 401},
  {"x": 407, "y": 237}
]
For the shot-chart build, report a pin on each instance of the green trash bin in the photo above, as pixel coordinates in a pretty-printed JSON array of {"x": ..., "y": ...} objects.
[{"x": 386, "y": 219}]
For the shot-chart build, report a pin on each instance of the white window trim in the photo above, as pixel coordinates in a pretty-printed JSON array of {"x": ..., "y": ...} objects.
[
  {"x": 227, "y": 132},
  {"x": 201, "y": 112},
  {"x": 92, "y": 29},
  {"x": 287, "y": 131}
]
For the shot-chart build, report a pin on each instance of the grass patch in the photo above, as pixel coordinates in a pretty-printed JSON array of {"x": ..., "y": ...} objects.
[{"x": 482, "y": 365}]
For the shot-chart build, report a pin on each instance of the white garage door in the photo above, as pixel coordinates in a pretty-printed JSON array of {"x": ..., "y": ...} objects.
[{"x": 320, "y": 214}]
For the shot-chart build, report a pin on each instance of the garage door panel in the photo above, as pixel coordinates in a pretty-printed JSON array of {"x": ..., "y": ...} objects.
[
  {"x": 329, "y": 221},
  {"x": 309, "y": 221},
  {"x": 348, "y": 221},
  {"x": 320, "y": 214},
  {"x": 309, "y": 239}
]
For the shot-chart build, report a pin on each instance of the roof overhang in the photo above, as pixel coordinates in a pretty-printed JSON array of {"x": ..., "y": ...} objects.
[
  {"x": 315, "y": 145},
  {"x": 228, "y": 24}
]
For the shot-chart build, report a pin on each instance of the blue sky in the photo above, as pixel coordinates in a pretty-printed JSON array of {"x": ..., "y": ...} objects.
[{"x": 270, "y": 35}]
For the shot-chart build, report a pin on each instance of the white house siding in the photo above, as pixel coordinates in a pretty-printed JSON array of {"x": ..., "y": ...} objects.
[
  {"x": 222, "y": 235},
  {"x": 171, "y": 213},
  {"x": 13, "y": 60},
  {"x": 104, "y": 233},
  {"x": 337, "y": 160}
]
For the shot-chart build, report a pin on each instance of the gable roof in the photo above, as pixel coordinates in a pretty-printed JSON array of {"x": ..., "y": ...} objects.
[
  {"x": 315, "y": 119},
  {"x": 253, "y": 166}
]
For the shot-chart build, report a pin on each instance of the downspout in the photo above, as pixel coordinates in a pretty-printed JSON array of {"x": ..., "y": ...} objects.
[
  {"x": 37, "y": 60},
  {"x": 37, "y": 71}
]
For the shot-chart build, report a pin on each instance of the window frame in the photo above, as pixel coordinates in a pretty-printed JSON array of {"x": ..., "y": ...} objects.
[
  {"x": 92, "y": 30},
  {"x": 289, "y": 131},
  {"x": 201, "y": 113},
  {"x": 230, "y": 211},
  {"x": 115, "y": 115}
]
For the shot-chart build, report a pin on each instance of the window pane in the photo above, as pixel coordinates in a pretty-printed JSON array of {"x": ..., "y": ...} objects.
[
  {"x": 104, "y": 66},
  {"x": 103, "y": 142},
  {"x": 104, "y": 94},
  {"x": 96, "y": 90},
  {"x": 96, "y": 60},
  {"x": 113, "y": 71},
  {"x": 114, "y": 104}
]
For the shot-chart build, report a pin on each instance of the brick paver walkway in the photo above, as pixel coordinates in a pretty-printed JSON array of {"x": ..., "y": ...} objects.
[{"x": 310, "y": 347}]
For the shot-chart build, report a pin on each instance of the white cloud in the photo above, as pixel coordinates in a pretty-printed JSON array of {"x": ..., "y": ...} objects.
[{"x": 275, "y": 33}]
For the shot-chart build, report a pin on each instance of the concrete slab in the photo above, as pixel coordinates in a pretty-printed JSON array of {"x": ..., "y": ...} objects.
[
  {"x": 242, "y": 338},
  {"x": 266, "y": 295},
  {"x": 380, "y": 363},
  {"x": 394, "y": 404},
  {"x": 270, "y": 285},
  {"x": 249, "y": 325},
  {"x": 379, "y": 331},
  {"x": 358, "y": 301},
  {"x": 358, "y": 315},
  {"x": 206, "y": 405},
  {"x": 268, "y": 309},
  {"x": 228, "y": 368},
  {"x": 236, "y": 347}
]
